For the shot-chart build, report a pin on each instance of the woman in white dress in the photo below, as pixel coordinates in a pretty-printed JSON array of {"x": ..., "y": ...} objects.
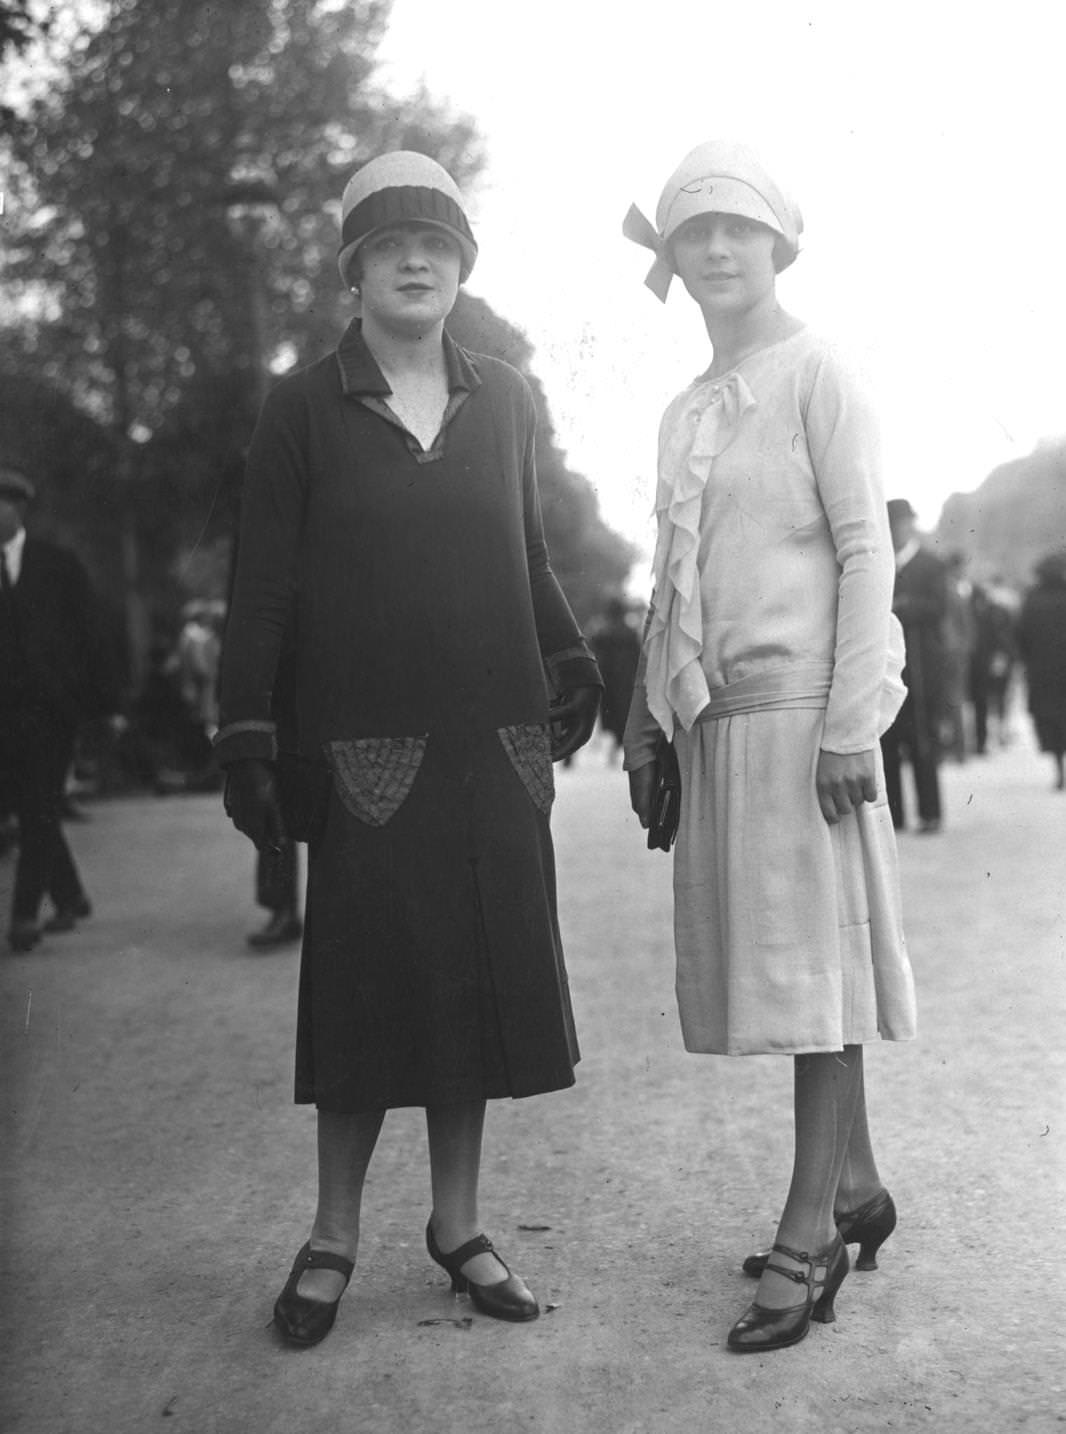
[{"x": 772, "y": 659}]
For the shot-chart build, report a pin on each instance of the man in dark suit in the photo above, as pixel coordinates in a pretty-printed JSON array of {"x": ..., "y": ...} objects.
[
  {"x": 920, "y": 601},
  {"x": 54, "y": 677}
]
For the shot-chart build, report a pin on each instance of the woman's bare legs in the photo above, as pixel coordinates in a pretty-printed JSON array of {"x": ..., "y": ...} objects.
[
  {"x": 454, "y": 1133},
  {"x": 827, "y": 1090},
  {"x": 345, "y": 1145},
  {"x": 859, "y": 1177}
]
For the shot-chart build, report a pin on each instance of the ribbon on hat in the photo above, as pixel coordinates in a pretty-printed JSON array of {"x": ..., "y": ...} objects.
[{"x": 641, "y": 230}]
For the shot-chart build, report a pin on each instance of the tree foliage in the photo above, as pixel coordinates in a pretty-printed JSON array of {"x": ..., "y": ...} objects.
[
  {"x": 17, "y": 26},
  {"x": 42, "y": 433},
  {"x": 589, "y": 558},
  {"x": 171, "y": 231},
  {"x": 1016, "y": 517},
  {"x": 174, "y": 203}
]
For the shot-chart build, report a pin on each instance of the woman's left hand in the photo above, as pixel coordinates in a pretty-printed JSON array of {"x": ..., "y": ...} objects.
[
  {"x": 844, "y": 782},
  {"x": 572, "y": 720}
]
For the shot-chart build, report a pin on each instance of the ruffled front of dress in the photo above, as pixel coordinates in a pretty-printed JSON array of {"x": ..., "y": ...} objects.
[{"x": 702, "y": 427}]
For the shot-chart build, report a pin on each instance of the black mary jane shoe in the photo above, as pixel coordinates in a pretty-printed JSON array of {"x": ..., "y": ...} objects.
[
  {"x": 305, "y": 1321},
  {"x": 507, "y": 1299},
  {"x": 761, "y": 1329},
  {"x": 868, "y": 1226}
]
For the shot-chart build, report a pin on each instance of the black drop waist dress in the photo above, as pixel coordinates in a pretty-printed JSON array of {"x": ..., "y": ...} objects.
[{"x": 426, "y": 619}]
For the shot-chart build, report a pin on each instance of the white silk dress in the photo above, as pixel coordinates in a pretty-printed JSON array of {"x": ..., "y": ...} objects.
[{"x": 771, "y": 638}]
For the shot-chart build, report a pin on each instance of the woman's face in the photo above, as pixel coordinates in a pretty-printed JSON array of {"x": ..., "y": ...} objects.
[
  {"x": 725, "y": 262},
  {"x": 408, "y": 277}
]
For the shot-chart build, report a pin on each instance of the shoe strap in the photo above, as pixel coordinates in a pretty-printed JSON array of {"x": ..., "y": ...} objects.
[
  {"x": 479, "y": 1245},
  {"x": 326, "y": 1260},
  {"x": 798, "y": 1277}
]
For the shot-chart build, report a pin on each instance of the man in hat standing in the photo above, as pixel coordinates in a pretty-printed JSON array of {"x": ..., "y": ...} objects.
[
  {"x": 920, "y": 601},
  {"x": 54, "y": 678}
]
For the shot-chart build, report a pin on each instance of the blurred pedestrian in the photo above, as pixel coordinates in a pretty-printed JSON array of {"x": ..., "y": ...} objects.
[
  {"x": 1042, "y": 646},
  {"x": 615, "y": 643},
  {"x": 391, "y": 493},
  {"x": 992, "y": 661},
  {"x": 199, "y": 649},
  {"x": 920, "y": 601},
  {"x": 772, "y": 659},
  {"x": 960, "y": 635},
  {"x": 158, "y": 717},
  {"x": 55, "y": 676}
]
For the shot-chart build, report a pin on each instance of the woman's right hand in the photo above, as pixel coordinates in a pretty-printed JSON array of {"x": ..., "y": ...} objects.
[
  {"x": 642, "y": 793},
  {"x": 251, "y": 803}
]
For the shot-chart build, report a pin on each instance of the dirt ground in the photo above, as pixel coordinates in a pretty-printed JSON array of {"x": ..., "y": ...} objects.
[{"x": 157, "y": 1179}]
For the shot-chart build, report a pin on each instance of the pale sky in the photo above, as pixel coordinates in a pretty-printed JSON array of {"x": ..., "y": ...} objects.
[{"x": 924, "y": 142}]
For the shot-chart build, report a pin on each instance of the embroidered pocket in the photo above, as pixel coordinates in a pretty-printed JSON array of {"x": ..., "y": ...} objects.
[
  {"x": 373, "y": 775},
  {"x": 529, "y": 749}
]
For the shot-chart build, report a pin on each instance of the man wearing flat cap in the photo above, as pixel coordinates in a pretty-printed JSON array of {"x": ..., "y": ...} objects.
[
  {"x": 54, "y": 679},
  {"x": 920, "y": 601}
]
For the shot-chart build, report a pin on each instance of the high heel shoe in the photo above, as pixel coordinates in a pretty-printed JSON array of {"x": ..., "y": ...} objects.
[
  {"x": 507, "y": 1299},
  {"x": 305, "y": 1321},
  {"x": 761, "y": 1329},
  {"x": 868, "y": 1226}
]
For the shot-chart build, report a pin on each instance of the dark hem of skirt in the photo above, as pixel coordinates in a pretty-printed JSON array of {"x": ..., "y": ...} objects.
[{"x": 414, "y": 1103}]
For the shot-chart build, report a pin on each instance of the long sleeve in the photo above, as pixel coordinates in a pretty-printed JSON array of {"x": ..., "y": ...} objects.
[
  {"x": 272, "y": 510},
  {"x": 843, "y": 441}
]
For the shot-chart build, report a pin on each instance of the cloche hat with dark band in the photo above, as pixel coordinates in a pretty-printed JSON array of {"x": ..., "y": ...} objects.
[
  {"x": 718, "y": 177},
  {"x": 398, "y": 188}
]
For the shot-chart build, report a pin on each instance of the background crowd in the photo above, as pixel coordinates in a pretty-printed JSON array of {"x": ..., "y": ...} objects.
[
  {"x": 980, "y": 652},
  {"x": 149, "y": 307}
]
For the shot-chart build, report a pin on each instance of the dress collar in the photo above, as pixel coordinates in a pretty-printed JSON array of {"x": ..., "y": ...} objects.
[{"x": 360, "y": 374}]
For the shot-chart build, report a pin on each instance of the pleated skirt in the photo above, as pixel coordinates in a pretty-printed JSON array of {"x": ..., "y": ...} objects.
[
  {"x": 788, "y": 931},
  {"x": 432, "y": 971}
]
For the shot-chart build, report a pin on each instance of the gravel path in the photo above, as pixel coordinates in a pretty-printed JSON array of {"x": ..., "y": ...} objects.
[{"x": 157, "y": 1180}]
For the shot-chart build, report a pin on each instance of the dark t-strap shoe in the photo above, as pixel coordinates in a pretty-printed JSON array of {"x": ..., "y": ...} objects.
[
  {"x": 507, "y": 1299},
  {"x": 305, "y": 1321}
]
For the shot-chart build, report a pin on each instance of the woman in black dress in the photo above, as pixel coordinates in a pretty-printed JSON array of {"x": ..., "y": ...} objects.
[{"x": 391, "y": 496}]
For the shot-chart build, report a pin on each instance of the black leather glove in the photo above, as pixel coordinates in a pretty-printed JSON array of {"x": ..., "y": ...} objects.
[
  {"x": 251, "y": 803},
  {"x": 573, "y": 716}
]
